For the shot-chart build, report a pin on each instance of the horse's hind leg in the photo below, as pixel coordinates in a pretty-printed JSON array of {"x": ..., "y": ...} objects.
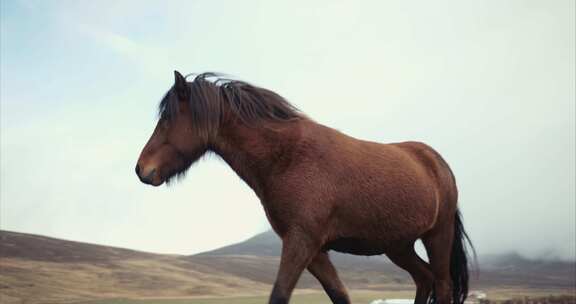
[
  {"x": 439, "y": 248},
  {"x": 324, "y": 271},
  {"x": 419, "y": 270}
]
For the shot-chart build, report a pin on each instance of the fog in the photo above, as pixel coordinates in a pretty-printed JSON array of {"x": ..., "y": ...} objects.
[{"x": 489, "y": 84}]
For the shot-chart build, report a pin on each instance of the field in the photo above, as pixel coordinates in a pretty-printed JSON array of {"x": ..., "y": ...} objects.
[
  {"x": 306, "y": 298},
  {"x": 365, "y": 296},
  {"x": 36, "y": 269}
]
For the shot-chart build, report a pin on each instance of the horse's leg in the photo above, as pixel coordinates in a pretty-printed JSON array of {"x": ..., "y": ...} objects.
[
  {"x": 298, "y": 250},
  {"x": 324, "y": 271},
  {"x": 419, "y": 271},
  {"x": 439, "y": 248}
]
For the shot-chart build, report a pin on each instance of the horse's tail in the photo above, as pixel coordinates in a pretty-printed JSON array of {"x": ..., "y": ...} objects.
[{"x": 459, "y": 261}]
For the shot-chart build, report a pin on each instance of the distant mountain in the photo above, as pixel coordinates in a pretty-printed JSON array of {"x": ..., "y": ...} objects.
[
  {"x": 512, "y": 269},
  {"x": 263, "y": 244}
]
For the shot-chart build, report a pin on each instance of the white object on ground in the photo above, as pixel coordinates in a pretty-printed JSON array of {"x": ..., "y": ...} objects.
[{"x": 393, "y": 301}]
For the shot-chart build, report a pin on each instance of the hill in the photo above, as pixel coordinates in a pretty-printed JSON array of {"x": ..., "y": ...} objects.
[
  {"x": 38, "y": 269},
  {"x": 41, "y": 248},
  {"x": 263, "y": 244}
]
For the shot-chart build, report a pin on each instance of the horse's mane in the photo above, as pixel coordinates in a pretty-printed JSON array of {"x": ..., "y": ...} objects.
[{"x": 209, "y": 92}]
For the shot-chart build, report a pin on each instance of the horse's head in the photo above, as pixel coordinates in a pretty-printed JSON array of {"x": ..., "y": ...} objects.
[{"x": 175, "y": 143}]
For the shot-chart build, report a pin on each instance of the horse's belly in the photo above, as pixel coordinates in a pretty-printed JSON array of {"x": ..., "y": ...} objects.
[
  {"x": 365, "y": 227},
  {"x": 356, "y": 246}
]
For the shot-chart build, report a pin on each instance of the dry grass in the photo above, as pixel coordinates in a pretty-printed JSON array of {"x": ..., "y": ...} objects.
[
  {"x": 35, "y": 269},
  {"x": 171, "y": 279},
  {"x": 562, "y": 299},
  {"x": 358, "y": 296},
  {"x": 44, "y": 282}
]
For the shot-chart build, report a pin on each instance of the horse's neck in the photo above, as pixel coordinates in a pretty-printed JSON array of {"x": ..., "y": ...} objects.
[{"x": 255, "y": 152}]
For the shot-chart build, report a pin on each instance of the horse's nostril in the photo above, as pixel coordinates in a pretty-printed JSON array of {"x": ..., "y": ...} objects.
[
  {"x": 137, "y": 170},
  {"x": 150, "y": 175}
]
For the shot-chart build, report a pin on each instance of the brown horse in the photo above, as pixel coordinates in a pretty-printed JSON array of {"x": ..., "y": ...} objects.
[{"x": 322, "y": 190}]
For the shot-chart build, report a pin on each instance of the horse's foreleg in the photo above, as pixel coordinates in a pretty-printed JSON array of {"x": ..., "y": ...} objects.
[
  {"x": 298, "y": 250},
  {"x": 324, "y": 271}
]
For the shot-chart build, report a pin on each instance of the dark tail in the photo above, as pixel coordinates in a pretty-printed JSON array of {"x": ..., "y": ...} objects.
[{"x": 459, "y": 261}]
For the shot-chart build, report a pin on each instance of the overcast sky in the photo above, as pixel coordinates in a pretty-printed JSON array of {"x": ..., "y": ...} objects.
[{"x": 489, "y": 84}]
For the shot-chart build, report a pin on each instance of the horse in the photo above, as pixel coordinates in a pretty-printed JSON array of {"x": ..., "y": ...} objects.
[{"x": 321, "y": 190}]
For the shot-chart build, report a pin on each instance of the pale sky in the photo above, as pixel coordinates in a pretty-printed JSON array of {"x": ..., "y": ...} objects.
[{"x": 489, "y": 84}]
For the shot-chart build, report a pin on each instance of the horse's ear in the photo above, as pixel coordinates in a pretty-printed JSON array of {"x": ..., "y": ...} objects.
[{"x": 180, "y": 85}]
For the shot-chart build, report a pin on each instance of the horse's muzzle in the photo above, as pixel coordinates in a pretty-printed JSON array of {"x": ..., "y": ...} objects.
[{"x": 150, "y": 178}]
